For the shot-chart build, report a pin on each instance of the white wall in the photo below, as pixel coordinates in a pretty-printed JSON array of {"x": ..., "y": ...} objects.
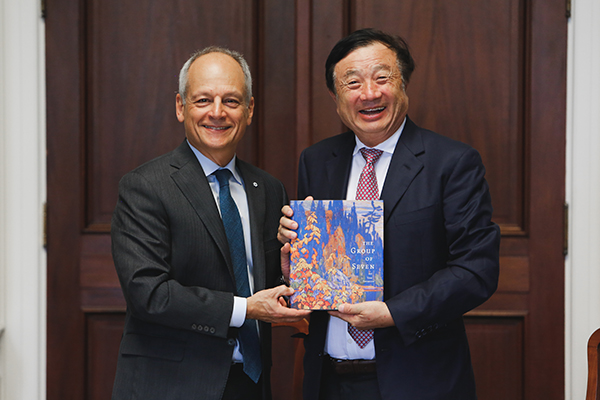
[
  {"x": 22, "y": 190},
  {"x": 582, "y": 278},
  {"x": 23, "y": 183}
]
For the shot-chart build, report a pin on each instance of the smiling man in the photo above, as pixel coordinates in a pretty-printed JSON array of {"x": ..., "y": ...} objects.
[
  {"x": 440, "y": 250},
  {"x": 194, "y": 241},
  {"x": 215, "y": 105}
]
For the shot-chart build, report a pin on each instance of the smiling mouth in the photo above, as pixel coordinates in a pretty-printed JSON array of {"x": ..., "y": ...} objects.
[
  {"x": 216, "y": 128},
  {"x": 372, "y": 111}
]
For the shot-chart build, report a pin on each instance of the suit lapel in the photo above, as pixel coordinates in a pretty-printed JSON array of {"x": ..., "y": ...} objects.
[
  {"x": 338, "y": 168},
  {"x": 404, "y": 166},
  {"x": 191, "y": 180}
]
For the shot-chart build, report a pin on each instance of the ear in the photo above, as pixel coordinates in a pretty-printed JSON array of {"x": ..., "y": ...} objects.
[
  {"x": 333, "y": 96},
  {"x": 179, "y": 108},
  {"x": 335, "y": 100}
]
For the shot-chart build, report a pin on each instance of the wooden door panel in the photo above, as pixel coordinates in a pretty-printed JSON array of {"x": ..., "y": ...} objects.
[
  {"x": 98, "y": 282},
  {"x": 468, "y": 82},
  {"x": 105, "y": 331},
  {"x": 497, "y": 345},
  {"x": 275, "y": 91},
  {"x": 491, "y": 74},
  {"x": 132, "y": 57},
  {"x": 329, "y": 24}
]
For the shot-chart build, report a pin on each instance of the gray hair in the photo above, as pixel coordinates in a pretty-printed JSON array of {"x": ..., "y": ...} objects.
[{"x": 183, "y": 74}]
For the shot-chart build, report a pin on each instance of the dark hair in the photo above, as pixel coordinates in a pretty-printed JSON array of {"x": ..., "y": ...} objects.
[{"x": 366, "y": 37}]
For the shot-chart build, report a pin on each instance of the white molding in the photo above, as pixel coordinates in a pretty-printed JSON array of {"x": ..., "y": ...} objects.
[
  {"x": 22, "y": 193},
  {"x": 2, "y": 202},
  {"x": 582, "y": 266}
]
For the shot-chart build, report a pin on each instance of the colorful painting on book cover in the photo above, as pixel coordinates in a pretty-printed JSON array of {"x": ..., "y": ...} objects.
[{"x": 338, "y": 255}]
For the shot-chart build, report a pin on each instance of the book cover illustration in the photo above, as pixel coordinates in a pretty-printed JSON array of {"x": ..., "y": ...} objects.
[{"x": 338, "y": 255}]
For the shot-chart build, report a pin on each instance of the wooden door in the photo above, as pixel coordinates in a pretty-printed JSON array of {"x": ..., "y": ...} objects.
[{"x": 489, "y": 73}]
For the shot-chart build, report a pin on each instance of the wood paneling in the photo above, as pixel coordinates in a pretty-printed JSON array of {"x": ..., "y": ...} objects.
[
  {"x": 132, "y": 57},
  {"x": 105, "y": 331},
  {"x": 65, "y": 376},
  {"x": 468, "y": 83},
  {"x": 514, "y": 275},
  {"x": 277, "y": 102},
  {"x": 491, "y": 74},
  {"x": 498, "y": 359},
  {"x": 545, "y": 120},
  {"x": 330, "y": 23}
]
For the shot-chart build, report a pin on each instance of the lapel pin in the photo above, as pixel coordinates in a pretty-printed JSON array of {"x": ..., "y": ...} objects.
[{"x": 255, "y": 184}]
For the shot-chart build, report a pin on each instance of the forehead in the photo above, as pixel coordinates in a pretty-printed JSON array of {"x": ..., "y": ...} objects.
[
  {"x": 216, "y": 72},
  {"x": 373, "y": 57}
]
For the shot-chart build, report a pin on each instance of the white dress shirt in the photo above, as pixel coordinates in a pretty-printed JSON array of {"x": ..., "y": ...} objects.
[
  {"x": 238, "y": 193},
  {"x": 339, "y": 343}
]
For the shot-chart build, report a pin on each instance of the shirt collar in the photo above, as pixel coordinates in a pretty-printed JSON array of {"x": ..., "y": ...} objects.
[
  {"x": 386, "y": 146},
  {"x": 209, "y": 166}
]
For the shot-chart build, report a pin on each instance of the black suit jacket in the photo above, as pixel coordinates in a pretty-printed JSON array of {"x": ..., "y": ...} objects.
[
  {"x": 174, "y": 266},
  {"x": 440, "y": 260}
]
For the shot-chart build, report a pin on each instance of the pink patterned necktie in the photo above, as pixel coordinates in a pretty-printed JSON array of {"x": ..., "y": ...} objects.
[{"x": 367, "y": 190}]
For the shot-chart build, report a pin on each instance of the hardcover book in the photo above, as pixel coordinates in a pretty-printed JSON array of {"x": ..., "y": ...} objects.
[{"x": 338, "y": 255}]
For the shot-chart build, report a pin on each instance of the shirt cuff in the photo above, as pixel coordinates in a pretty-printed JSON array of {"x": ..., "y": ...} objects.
[{"x": 238, "y": 316}]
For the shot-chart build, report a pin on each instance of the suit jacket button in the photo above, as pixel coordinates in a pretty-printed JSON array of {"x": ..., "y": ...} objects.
[
  {"x": 212, "y": 330},
  {"x": 231, "y": 342},
  {"x": 206, "y": 328},
  {"x": 199, "y": 327},
  {"x": 194, "y": 326}
]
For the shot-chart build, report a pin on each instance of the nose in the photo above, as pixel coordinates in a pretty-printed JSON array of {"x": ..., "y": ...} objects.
[
  {"x": 217, "y": 109},
  {"x": 370, "y": 91}
]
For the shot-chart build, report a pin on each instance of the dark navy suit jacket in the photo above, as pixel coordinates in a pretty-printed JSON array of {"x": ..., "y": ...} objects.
[
  {"x": 440, "y": 260},
  {"x": 174, "y": 265}
]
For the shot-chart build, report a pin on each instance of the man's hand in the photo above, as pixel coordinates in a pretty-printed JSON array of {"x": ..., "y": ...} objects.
[
  {"x": 269, "y": 306},
  {"x": 287, "y": 226},
  {"x": 285, "y": 233},
  {"x": 367, "y": 315},
  {"x": 285, "y": 261}
]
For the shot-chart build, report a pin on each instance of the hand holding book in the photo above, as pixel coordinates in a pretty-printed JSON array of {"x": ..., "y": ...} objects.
[
  {"x": 367, "y": 315},
  {"x": 286, "y": 233},
  {"x": 268, "y": 305}
]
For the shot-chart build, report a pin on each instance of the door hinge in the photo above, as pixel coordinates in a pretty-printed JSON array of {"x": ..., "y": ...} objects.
[
  {"x": 566, "y": 229},
  {"x": 568, "y": 8},
  {"x": 45, "y": 225}
]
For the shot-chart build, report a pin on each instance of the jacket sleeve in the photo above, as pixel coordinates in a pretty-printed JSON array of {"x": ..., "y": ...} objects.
[
  {"x": 467, "y": 274},
  {"x": 142, "y": 252}
]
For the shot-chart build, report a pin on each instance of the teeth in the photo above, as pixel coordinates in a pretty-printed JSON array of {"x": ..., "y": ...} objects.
[
  {"x": 373, "y": 110},
  {"x": 218, "y": 128}
]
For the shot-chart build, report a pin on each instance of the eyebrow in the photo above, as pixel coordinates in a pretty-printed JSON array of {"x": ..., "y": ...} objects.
[
  {"x": 376, "y": 68},
  {"x": 203, "y": 93}
]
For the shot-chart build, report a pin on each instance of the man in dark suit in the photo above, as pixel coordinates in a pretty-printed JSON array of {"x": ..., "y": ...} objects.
[
  {"x": 441, "y": 247},
  {"x": 194, "y": 238}
]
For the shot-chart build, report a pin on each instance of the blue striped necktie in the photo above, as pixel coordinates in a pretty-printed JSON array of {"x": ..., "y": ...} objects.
[{"x": 248, "y": 335}]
